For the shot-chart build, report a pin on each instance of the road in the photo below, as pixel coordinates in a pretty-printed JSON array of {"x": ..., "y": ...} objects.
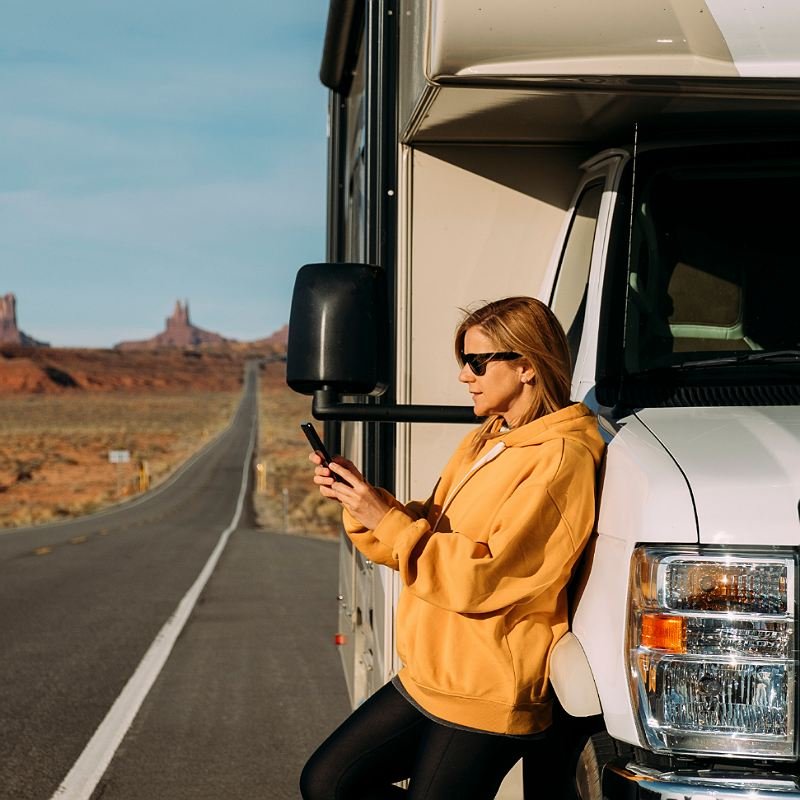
[{"x": 251, "y": 684}]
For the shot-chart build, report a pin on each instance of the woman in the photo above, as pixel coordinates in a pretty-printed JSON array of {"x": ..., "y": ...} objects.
[{"x": 484, "y": 563}]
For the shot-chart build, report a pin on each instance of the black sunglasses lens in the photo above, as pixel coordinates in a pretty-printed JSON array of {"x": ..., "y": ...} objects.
[
  {"x": 476, "y": 361},
  {"x": 478, "y": 365}
]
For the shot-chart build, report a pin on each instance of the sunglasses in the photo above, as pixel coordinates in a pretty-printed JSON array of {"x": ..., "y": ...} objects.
[{"x": 478, "y": 361}]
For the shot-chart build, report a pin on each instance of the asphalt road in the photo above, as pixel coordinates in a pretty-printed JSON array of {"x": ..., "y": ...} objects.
[{"x": 252, "y": 684}]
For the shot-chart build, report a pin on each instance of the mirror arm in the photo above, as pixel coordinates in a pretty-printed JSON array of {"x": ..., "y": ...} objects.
[{"x": 327, "y": 405}]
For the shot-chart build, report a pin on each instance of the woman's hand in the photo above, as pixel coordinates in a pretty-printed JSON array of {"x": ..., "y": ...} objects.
[
  {"x": 360, "y": 498},
  {"x": 323, "y": 477}
]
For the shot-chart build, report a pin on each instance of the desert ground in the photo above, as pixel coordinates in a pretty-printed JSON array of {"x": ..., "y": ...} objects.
[
  {"x": 54, "y": 450},
  {"x": 62, "y": 411}
]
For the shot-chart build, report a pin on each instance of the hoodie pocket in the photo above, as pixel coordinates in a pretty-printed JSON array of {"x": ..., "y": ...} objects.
[{"x": 454, "y": 653}]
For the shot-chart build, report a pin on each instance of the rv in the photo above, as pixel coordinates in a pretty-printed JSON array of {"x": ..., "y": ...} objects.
[{"x": 636, "y": 165}]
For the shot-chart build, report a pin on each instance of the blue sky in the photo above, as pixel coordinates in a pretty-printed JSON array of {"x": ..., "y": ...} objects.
[{"x": 155, "y": 151}]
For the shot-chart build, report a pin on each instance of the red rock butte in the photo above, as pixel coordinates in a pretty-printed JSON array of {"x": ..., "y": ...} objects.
[
  {"x": 179, "y": 332},
  {"x": 9, "y": 331}
]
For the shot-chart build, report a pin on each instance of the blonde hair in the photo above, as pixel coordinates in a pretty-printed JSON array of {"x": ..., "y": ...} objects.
[{"x": 526, "y": 326}]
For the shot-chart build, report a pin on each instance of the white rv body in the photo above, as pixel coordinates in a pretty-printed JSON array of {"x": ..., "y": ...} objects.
[{"x": 512, "y": 118}]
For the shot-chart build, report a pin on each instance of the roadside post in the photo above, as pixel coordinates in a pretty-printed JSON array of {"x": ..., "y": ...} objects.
[
  {"x": 144, "y": 476},
  {"x": 261, "y": 477}
]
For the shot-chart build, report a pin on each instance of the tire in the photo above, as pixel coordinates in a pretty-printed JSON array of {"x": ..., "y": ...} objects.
[{"x": 599, "y": 749}]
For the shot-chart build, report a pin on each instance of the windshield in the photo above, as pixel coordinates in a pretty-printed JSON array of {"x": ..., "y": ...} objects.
[{"x": 714, "y": 270}]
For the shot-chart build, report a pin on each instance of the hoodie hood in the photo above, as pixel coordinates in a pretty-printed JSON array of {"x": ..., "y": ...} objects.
[{"x": 574, "y": 422}]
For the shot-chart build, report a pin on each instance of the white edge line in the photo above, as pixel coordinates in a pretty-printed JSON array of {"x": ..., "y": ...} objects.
[{"x": 92, "y": 763}]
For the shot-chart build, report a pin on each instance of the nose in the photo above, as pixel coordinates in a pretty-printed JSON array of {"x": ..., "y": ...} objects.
[{"x": 466, "y": 375}]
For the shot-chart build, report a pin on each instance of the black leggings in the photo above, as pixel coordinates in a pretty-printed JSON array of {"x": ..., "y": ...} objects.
[{"x": 386, "y": 740}]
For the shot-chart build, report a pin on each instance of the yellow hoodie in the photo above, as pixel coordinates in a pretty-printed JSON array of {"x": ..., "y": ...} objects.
[{"x": 485, "y": 564}]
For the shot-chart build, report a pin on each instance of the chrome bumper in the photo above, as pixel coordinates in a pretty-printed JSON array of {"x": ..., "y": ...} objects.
[{"x": 632, "y": 782}]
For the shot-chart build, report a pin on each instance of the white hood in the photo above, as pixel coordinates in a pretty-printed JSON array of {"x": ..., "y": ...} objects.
[{"x": 742, "y": 466}]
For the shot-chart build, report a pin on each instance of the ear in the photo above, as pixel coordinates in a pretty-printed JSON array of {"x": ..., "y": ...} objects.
[{"x": 527, "y": 374}]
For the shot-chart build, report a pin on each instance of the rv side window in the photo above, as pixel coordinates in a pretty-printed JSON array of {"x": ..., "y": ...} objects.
[
  {"x": 572, "y": 281},
  {"x": 357, "y": 188}
]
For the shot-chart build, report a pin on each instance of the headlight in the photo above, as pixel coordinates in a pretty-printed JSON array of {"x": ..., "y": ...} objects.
[{"x": 712, "y": 651}]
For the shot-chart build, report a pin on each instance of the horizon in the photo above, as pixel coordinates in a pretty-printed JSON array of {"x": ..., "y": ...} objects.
[{"x": 185, "y": 302}]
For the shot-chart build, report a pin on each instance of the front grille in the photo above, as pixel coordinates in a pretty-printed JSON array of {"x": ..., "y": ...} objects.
[{"x": 655, "y": 395}]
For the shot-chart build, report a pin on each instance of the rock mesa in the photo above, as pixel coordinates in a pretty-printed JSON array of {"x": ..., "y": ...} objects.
[
  {"x": 179, "y": 332},
  {"x": 9, "y": 331}
]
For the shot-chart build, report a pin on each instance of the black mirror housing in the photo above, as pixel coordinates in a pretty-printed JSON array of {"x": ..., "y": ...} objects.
[{"x": 338, "y": 330}]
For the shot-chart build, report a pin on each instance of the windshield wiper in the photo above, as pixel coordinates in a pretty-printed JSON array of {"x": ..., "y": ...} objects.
[{"x": 770, "y": 356}]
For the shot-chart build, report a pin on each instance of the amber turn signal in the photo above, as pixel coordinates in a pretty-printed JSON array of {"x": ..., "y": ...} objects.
[{"x": 662, "y": 632}]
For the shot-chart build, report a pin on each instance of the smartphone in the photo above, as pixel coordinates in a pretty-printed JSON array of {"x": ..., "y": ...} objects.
[{"x": 318, "y": 447}]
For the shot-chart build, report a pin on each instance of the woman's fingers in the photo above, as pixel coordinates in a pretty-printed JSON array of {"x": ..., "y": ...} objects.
[
  {"x": 361, "y": 498},
  {"x": 322, "y": 477},
  {"x": 349, "y": 466},
  {"x": 316, "y": 459},
  {"x": 357, "y": 495},
  {"x": 352, "y": 476}
]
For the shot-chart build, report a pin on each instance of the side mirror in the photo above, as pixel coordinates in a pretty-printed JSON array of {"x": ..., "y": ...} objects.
[
  {"x": 338, "y": 330},
  {"x": 338, "y": 344}
]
